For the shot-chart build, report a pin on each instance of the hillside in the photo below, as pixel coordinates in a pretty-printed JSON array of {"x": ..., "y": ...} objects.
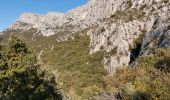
[{"x": 103, "y": 50}]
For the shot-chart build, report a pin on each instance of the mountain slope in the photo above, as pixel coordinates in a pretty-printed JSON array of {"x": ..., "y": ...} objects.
[
  {"x": 114, "y": 26},
  {"x": 118, "y": 31}
]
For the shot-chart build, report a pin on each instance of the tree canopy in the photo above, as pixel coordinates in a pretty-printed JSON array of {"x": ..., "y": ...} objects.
[{"x": 20, "y": 75}]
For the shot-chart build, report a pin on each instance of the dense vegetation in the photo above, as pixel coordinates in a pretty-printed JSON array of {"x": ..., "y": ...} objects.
[
  {"x": 150, "y": 80},
  {"x": 80, "y": 75},
  {"x": 20, "y": 75}
]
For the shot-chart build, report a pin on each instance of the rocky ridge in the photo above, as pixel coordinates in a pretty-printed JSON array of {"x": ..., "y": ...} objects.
[{"x": 80, "y": 18}]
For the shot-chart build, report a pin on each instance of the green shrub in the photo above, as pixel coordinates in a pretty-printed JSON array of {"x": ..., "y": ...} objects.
[
  {"x": 21, "y": 77},
  {"x": 149, "y": 80}
]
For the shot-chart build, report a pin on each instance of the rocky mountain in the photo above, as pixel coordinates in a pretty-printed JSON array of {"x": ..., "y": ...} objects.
[
  {"x": 114, "y": 26},
  {"x": 87, "y": 44}
]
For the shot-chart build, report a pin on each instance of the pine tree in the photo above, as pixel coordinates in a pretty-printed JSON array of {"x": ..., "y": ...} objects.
[{"x": 20, "y": 75}]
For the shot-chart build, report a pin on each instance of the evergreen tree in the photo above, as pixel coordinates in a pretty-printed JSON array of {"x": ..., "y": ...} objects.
[{"x": 21, "y": 77}]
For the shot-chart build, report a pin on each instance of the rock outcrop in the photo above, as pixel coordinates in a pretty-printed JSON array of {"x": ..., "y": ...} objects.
[
  {"x": 117, "y": 36},
  {"x": 158, "y": 37}
]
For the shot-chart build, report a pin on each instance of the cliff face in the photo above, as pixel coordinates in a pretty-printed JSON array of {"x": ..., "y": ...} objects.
[
  {"x": 114, "y": 27},
  {"x": 124, "y": 31}
]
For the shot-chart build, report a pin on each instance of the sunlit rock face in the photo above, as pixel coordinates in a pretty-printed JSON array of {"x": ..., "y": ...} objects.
[
  {"x": 114, "y": 26},
  {"x": 120, "y": 32}
]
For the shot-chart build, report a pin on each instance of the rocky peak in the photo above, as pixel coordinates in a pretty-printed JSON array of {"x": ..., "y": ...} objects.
[
  {"x": 43, "y": 23},
  {"x": 31, "y": 18}
]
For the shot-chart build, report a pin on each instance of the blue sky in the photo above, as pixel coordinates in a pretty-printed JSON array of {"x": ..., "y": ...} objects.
[{"x": 10, "y": 10}]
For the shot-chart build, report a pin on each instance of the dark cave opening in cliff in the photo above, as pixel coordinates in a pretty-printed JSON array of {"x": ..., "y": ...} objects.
[{"x": 135, "y": 53}]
